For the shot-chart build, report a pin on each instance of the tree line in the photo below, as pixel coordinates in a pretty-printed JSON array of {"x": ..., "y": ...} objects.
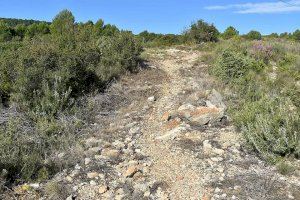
[{"x": 201, "y": 31}]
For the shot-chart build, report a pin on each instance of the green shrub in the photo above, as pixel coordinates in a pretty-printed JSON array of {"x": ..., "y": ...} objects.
[
  {"x": 57, "y": 191},
  {"x": 285, "y": 168},
  {"x": 148, "y": 37},
  {"x": 33, "y": 30},
  {"x": 271, "y": 125},
  {"x": 296, "y": 35},
  {"x": 5, "y": 32},
  {"x": 232, "y": 65},
  {"x": 203, "y": 32},
  {"x": 49, "y": 101},
  {"x": 118, "y": 54},
  {"x": 273, "y": 35},
  {"x": 82, "y": 67},
  {"x": 254, "y": 35},
  {"x": 230, "y": 32},
  {"x": 30, "y": 148},
  {"x": 98, "y": 28}
]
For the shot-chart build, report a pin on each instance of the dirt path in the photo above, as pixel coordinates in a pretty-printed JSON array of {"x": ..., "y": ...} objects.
[
  {"x": 173, "y": 167},
  {"x": 183, "y": 162}
]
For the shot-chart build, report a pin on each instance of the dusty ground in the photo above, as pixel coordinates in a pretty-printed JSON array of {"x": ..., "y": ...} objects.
[{"x": 143, "y": 151}]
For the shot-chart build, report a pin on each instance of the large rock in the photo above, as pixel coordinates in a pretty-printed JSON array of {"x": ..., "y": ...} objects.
[
  {"x": 201, "y": 115},
  {"x": 205, "y": 115},
  {"x": 216, "y": 99}
]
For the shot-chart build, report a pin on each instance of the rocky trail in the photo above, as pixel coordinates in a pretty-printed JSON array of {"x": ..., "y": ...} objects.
[{"x": 169, "y": 138}]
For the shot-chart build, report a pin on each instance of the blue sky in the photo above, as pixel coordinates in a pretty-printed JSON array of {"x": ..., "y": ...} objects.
[{"x": 166, "y": 16}]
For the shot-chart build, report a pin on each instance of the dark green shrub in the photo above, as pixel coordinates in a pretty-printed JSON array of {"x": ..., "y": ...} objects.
[
  {"x": 254, "y": 35},
  {"x": 296, "y": 35},
  {"x": 35, "y": 29},
  {"x": 145, "y": 36},
  {"x": 7, "y": 73},
  {"x": 285, "y": 35},
  {"x": 15, "y": 22},
  {"x": 203, "y": 32},
  {"x": 20, "y": 30},
  {"x": 167, "y": 40},
  {"x": 82, "y": 68},
  {"x": 110, "y": 30},
  {"x": 5, "y": 32}
]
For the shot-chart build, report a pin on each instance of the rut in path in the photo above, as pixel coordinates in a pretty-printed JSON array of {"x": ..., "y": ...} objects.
[{"x": 177, "y": 169}]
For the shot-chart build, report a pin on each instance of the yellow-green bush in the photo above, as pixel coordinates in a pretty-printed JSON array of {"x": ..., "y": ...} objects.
[{"x": 232, "y": 65}]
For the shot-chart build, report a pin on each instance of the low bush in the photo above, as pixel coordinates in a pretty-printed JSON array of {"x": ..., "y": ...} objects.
[
  {"x": 37, "y": 149},
  {"x": 230, "y": 32},
  {"x": 266, "y": 109},
  {"x": 254, "y": 35},
  {"x": 270, "y": 125},
  {"x": 232, "y": 65}
]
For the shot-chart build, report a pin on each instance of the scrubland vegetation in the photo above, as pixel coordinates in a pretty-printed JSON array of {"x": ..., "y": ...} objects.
[
  {"x": 48, "y": 70},
  {"x": 264, "y": 80},
  {"x": 46, "y": 74}
]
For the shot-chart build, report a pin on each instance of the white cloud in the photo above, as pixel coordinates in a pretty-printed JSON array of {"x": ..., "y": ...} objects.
[{"x": 262, "y": 7}]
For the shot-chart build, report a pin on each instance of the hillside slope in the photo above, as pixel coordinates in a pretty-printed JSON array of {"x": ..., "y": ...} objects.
[{"x": 165, "y": 135}]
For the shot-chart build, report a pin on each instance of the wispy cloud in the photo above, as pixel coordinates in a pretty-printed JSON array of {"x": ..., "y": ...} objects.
[{"x": 262, "y": 7}]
